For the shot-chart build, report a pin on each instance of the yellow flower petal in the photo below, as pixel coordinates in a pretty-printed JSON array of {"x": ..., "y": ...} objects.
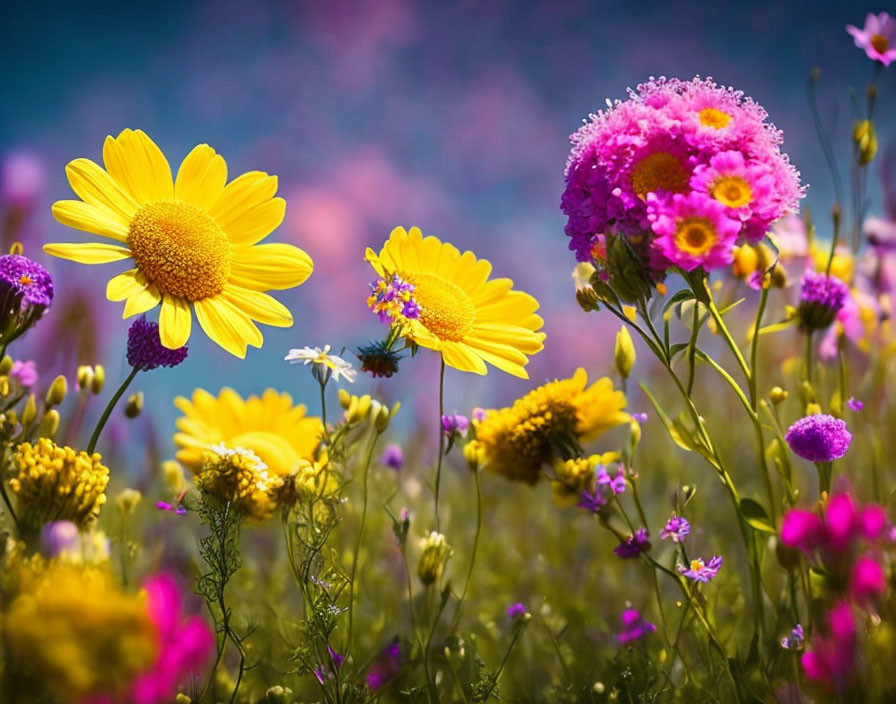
[
  {"x": 139, "y": 166},
  {"x": 125, "y": 285},
  {"x": 270, "y": 266},
  {"x": 461, "y": 357},
  {"x": 88, "y": 252},
  {"x": 259, "y": 306},
  {"x": 142, "y": 301},
  {"x": 253, "y": 225},
  {"x": 201, "y": 177},
  {"x": 95, "y": 186},
  {"x": 90, "y": 218},
  {"x": 227, "y": 325},
  {"x": 174, "y": 322},
  {"x": 243, "y": 193}
]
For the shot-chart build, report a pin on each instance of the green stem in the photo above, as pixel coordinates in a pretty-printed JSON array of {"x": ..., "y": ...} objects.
[
  {"x": 91, "y": 446},
  {"x": 473, "y": 552},
  {"x": 441, "y": 437}
]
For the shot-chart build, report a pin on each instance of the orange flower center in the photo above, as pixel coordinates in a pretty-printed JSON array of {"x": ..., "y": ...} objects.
[
  {"x": 711, "y": 117},
  {"x": 732, "y": 191},
  {"x": 181, "y": 249},
  {"x": 446, "y": 310},
  {"x": 25, "y": 280},
  {"x": 658, "y": 171},
  {"x": 695, "y": 236},
  {"x": 880, "y": 43}
]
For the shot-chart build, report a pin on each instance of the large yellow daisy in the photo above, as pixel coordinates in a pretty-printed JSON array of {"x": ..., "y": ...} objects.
[
  {"x": 193, "y": 240},
  {"x": 269, "y": 425},
  {"x": 467, "y": 317}
]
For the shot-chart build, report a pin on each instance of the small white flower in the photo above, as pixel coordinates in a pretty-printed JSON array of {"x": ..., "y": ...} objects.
[{"x": 323, "y": 360}]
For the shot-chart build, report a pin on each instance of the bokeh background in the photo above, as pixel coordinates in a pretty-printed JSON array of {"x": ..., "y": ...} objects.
[{"x": 374, "y": 113}]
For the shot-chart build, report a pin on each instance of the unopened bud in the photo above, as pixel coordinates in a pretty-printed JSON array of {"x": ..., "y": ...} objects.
[
  {"x": 85, "y": 377},
  {"x": 473, "y": 454},
  {"x": 99, "y": 379},
  {"x": 381, "y": 420},
  {"x": 30, "y": 411},
  {"x": 57, "y": 391},
  {"x": 345, "y": 398},
  {"x": 778, "y": 395},
  {"x": 278, "y": 695},
  {"x": 587, "y": 299},
  {"x": 49, "y": 424},
  {"x": 173, "y": 476},
  {"x": 865, "y": 137},
  {"x": 624, "y": 354},
  {"x": 433, "y": 558},
  {"x": 6, "y": 365},
  {"x": 127, "y": 500},
  {"x": 134, "y": 405},
  {"x": 182, "y": 698}
]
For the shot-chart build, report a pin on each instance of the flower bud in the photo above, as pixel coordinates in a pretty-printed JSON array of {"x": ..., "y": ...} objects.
[
  {"x": 278, "y": 695},
  {"x": 778, "y": 395},
  {"x": 182, "y": 698},
  {"x": 134, "y": 405},
  {"x": 6, "y": 365},
  {"x": 345, "y": 398},
  {"x": 433, "y": 558},
  {"x": 382, "y": 418},
  {"x": 99, "y": 379},
  {"x": 629, "y": 277},
  {"x": 29, "y": 414},
  {"x": 84, "y": 377},
  {"x": 57, "y": 391},
  {"x": 127, "y": 500},
  {"x": 173, "y": 476},
  {"x": 473, "y": 454},
  {"x": 49, "y": 424},
  {"x": 865, "y": 138},
  {"x": 624, "y": 354}
]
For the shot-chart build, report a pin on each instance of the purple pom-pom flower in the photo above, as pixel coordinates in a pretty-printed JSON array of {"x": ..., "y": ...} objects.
[
  {"x": 145, "y": 348},
  {"x": 819, "y": 438}
]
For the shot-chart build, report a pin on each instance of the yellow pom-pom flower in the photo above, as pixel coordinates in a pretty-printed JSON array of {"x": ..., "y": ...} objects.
[
  {"x": 549, "y": 423},
  {"x": 444, "y": 300},
  {"x": 73, "y": 631},
  {"x": 54, "y": 483},
  {"x": 238, "y": 477},
  {"x": 278, "y": 432},
  {"x": 193, "y": 240}
]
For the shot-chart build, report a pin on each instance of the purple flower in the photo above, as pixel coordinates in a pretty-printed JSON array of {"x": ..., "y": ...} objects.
[
  {"x": 516, "y": 611},
  {"x": 392, "y": 457},
  {"x": 821, "y": 298},
  {"x": 854, "y": 404},
  {"x": 22, "y": 180},
  {"x": 795, "y": 639},
  {"x": 616, "y": 484},
  {"x": 165, "y": 506},
  {"x": 26, "y": 291},
  {"x": 25, "y": 373},
  {"x": 335, "y": 657},
  {"x": 819, "y": 438},
  {"x": 593, "y": 500},
  {"x": 455, "y": 423},
  {"x": 640, "y": 417},
  {"x": 676, "y": 528},
  {"x": 867, "y": 580},
  {"x": 701, "y": 571},
  {"x": 877, "y": 37},
  {"x": 385, "y": 667},
  {"x": 832, "y": 657},
  {"x": 634, "y": 627},
  {"x": 478, "y": 414},
  {"x": 319, "y": 674},
  {"x": 634, "y": 545},
  {"x": 145, "y": 348},
  {"x": 59, "y": 537}
]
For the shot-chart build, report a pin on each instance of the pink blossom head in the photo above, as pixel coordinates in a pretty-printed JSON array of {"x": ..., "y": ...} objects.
[
  {"x": 867, "y": 580},
  {"x": 25, "y": 373},
  {"x": 22, "y": 180},
  {"x": 692, "y": 230},
  {"x": 832, "y": 656},
  {"x": 841, "y": 519},
  {"x": 802, "y": 529},
  {"x": 877, "y": 38}
]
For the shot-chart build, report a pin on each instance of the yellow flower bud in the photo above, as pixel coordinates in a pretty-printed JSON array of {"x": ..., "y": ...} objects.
[
  {"x": 57, "y": 391},
  {"x": 134, "y": 405},
  {"x": 99, "y": 379},
  {"x": 865, "y": 137},
  {"x": 778, "y": 395},
  {"x": 433, "y": 558},
  {"x": 127, "y": 500},
  {"x": 624, "y": 354},
  {"x": 473, "y": 454},
  {"x": 30, "y": 412},
  {"x": 173, "y": 476},
  {"x": 49, "y": 424},
  {"x": 6, "y": 365},
  {"x": 85, "y": 377},
  {"x": 345, "y": 398}
]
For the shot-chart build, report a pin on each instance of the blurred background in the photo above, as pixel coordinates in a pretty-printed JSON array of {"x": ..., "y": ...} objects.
[{"x": 451, "y": 116}]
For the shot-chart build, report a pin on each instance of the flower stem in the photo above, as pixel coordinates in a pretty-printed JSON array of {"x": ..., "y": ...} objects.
[
  {"x": 441, "y": 438},
  {"x": 91, "y": 446},
  {"x": 473, "y": 551}
]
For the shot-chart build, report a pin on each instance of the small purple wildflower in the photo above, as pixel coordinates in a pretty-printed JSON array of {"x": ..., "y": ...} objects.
[
  {"x": 634, "y": 545},
  {"x": 478, "y": 414},
  {"x": 25, "y": 373},
  {"x": 335, "y": 657},
  {"x": 640, "y": 417},
  {"x": 24, "y": 284},
  {"x": 854, "y": 404},
  {"x": 455, "y": 423},
  {"x": 392, "y": 457},
  {"x": 634, "y": 627},
  {"x": 385, "y": 667},
  {"x": 516, "y": 611},
  {"x": 701, "y": 571},
  {"x": 795, "y": 639},
  {"x": 145, "y": 348},
  {"x": 676, "y": 528},
  {"x": 319, "y": 674},
  {"x": 165, "y": 506},
  {"x": 392, "y": 300},
  {"x": 616, "y": 484},
  {"x": 593, "y": 500},
  {"x": 821, "y": 298},
  {"x": 819, "y": 438}
]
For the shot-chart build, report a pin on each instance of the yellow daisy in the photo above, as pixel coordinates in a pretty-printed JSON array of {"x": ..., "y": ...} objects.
[
  {"x": 193, "y": 240},
  {"x": 270, "y": 426},
  {"x": 458, "y": 311}
]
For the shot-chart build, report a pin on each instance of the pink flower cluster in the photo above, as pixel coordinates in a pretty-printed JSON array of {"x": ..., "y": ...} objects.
[
  {"x": 682, "y": 169},
  {"x": 846, "y": 543}
]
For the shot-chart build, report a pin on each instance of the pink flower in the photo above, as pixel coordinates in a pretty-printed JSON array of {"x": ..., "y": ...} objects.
[
  {"x": 184, "y": 644},
  {"x": 877, "y": 37},
  {"x": 802, "y": 529},
  {"x": 692, "y": 230},
  {"x": 867, "y": 580},
  {"x": 832, "y": 656},
  {"x": 22, "y": 180},
  {"x": 25, "y": 373}
]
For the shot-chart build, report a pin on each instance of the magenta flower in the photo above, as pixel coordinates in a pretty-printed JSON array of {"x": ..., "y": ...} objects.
[
  {"x": 854, "y": 404},
  {"x": 634, "y": 545},
  {"x": 516, "y": 611},
  {"x": 803, "y": 530},
  {"x": 385, "y": 667},
  {"x": 455, "y": 423},
  {"x": 795, "y": 639},
  {"x": 701, "y": 571},
  {"x": 676, "y": 528},
  {"x": 832, "y": 656},
  {"x": 821, "y": 299},
  {"x": 25, "y": 373},
  {"x": 877, "y": 37},
  {"x": 184, "y": 644},
  {"x": 634, "y": 627},
  {"x": 868, "y": 579},
  {"x": 819, "y": 438}
]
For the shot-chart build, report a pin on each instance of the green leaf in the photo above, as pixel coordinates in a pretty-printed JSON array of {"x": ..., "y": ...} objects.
[
  {"x": 680, "y": 439},
  {"x": 684, "y": 294},
  {"x": 755, "y": 514}
]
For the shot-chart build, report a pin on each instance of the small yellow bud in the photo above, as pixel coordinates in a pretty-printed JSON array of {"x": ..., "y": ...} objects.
[
  {"x": 6, "y": 365},
  {"x": 182, "y": 699},
  {"x": 345, "y": 398},
  {"x": 778, "y": 395},
  {"x": 127, "y": 500},
  {"x": 134, "y": 405},
  {"x": 635, "y": 429},
  {"x": 49, "y": 424},
  {"x": 630, "y": 312},
  {"x": 473, "y": 454},
  {"x": 382, "y": 418},
  {"x": 84, "y": 377},
  {"x": 173, "y": 476},
  {"x": 99, "y": 379},
  {"x": 30, "y": 411},
  {"x": 624, "y": 354},
  {"x": 813, "y": 409},
  {"x": 433, "y": 557},
  {"x": 57, "y": 391},
  {"x": 865, "y": 137}
]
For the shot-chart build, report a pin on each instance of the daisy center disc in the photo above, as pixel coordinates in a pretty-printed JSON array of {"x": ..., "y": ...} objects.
[
  {"x": 181, "y": 249},
  {"x": 712, "y": 117},
  {"x": 880, "y": 43},
  {"x": 445, "y": 308},
  {"x": 695, "y": 236},
  {"x": 659, "y": 171},
  {"x": 732, "y": 191}
]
